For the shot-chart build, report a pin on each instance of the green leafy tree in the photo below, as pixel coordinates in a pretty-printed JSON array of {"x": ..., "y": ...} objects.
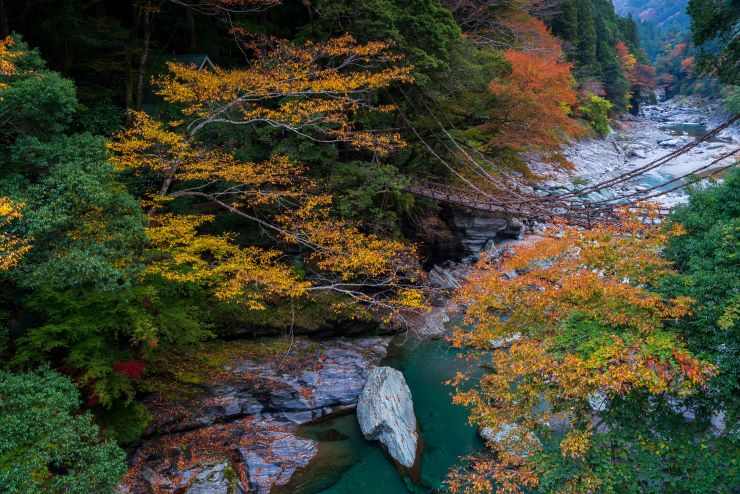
[
  {"x": 423, "y": 30},
  {"x": 706, "y": 256},
  {"x": 36, "y": 102},
  {"x": 45, "y": 446},
  {"x": 106, "y": 339},
  {"x": 80, "y": 299},
  {"x": 597, "y": 113},
  {"x": 86, "y": 227},
  {"x": 714, "y": 28},
  {"x": 647, "y": 447},
  {"x": 586, "y": 35}
]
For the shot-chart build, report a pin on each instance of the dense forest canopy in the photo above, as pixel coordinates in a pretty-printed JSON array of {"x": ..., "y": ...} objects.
[{"x": 148, "y": 204}]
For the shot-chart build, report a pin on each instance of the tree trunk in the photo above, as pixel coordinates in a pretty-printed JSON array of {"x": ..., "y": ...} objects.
[
  {"x": 144, "y": 54},
  {"x": 135, "y": 19},
  {"x": 192, "y": 39}
]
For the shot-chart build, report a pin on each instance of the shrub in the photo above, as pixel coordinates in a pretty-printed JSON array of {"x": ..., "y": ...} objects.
[
  {"x": 44, "y": 446},
  {"x": 597, "y": 113}
]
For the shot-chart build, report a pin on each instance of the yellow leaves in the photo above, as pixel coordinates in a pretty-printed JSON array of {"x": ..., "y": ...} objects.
[
  {"x": 342, "y": 249},
  {"x": 300, "y": 216},
  {"x": 7, "y": 66},
  {"x": 677, "y": 230},
  {"x": 313, "y": 89},
  {"x": 12, "y": 247},
  {"x": 250, "y": 274},
  {"x": 412, "y": 298},
  {"x": 147, "y": 144}
]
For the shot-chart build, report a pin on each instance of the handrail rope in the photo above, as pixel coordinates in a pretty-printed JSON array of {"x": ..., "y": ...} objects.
[
  {"x": 723, "y": 157},
  {"x": 653, "y": 164}
]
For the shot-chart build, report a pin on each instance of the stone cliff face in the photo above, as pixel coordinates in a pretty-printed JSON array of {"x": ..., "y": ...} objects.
[
  {"x": 475, "y": 231},
  {"x": 237, "y": 431}
]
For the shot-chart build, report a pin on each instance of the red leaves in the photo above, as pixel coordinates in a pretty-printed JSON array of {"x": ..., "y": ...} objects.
[
  {"x": 640, "y": 75},
  {"x": 134, "y": 369}
]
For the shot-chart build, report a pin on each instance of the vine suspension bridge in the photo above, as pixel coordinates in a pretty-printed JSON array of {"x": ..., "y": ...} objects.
[{"x": 502, "y": 195}]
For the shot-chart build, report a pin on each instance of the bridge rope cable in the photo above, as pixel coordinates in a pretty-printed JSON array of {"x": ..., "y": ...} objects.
[
  {"x": 641, "y": 192},
  {"x": 494, "y": 180},
  {"x": 476, "y": 168},
  {"x": 598, "y": 186},
  {"x": 438, "y": 157},
  {"x": 532, "y": 205},
  {"x": 575, "y": 211},
  {"x": 651, "y": 165},
  {"x": 679, "y": 186}
]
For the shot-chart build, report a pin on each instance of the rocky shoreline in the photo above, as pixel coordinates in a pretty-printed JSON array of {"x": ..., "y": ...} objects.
[
  {"x": 638, "y": 140},
  {"x": 237, "y": 431}
]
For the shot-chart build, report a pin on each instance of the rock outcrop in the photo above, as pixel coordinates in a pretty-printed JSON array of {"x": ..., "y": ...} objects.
[
  {"x": 385, "y": 412},
  {"x": 474, "y": 229},
  {"x": 236, "y": 432},
  {"x": 216, "y": 479},
  {"x": 275, "y": 459}
]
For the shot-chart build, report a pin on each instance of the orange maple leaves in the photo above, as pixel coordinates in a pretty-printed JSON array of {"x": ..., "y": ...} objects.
[
  {"x": 12, "y": 247},
  {"x": 581, "y": 321},
  {"x": 534, "y": 100},
  {"x": 640, "y": 75},
  {"x": 7, "y": 66}
]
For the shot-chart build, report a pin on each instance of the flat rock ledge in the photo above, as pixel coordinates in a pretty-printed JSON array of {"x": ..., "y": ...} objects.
[
  {"x": 236, "y": 433},
  {"x": 385, "y": 412}
]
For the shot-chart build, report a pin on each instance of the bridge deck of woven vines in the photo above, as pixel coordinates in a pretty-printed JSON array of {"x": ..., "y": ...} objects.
[{"x": 576, "y": 212}]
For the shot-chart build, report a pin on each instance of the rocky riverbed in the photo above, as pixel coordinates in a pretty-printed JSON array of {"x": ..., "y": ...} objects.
[
  {"x": 273, "y": 421},
  {"x": 639, "y": 140},
  {"x": 236, "y": 431}
]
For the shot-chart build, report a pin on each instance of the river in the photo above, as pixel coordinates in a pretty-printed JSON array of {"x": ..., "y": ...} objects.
[
  {"x": 637, "y": 141},
  {"x": 348, "y": 464}
]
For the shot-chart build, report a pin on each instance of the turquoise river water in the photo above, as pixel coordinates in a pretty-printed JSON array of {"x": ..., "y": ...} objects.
[{"x": 348, "y": 464}]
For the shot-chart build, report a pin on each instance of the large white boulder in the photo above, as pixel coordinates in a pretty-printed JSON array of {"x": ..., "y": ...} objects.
[{"x": 385, "y": 411}]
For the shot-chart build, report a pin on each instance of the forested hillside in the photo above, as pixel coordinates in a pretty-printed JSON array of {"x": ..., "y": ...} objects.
[
  {"x": 180, "y": 175},
  {"x": 666, "y": 15}
]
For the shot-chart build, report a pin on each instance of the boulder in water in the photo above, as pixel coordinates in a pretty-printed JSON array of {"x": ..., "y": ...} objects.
[
  {"x": 275, "y": 459},
  {"x": 670, "y": 143},
  {"x": 505, "y": 342},
  {"x": 385, "y": 411}
]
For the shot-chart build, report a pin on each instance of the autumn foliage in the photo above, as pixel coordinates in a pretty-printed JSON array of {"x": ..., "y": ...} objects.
[
  {"x": 12, "y": 247},
  {"x": 641, "y": 76},
  {"x": 7, "y": 66},
  {"x": 583, "y": 326},
  {"x": 534, "y": 100},
  {"x": 311, "y": 91}
]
